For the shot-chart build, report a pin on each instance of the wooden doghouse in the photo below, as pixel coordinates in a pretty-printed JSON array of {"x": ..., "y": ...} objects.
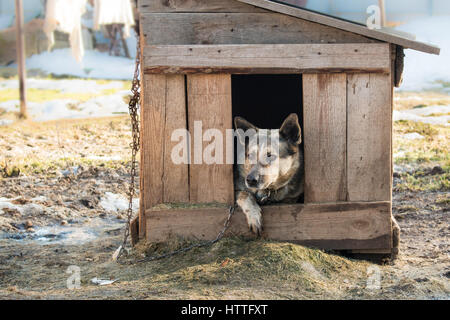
[{"x": 210, "y": 60}]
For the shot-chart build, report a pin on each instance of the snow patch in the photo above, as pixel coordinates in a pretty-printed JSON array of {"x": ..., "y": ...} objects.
[
  {"x": 39, "y": 198},
  {"x": 95, "y": 65},
  {"x": 112, "y": 202},
  {"x": 426, "y": 111},
  {"x": 25, "y": 210},
  {"x": 403, "y": 168},
  {"x": 413, "y": 136},
  {"x": 103, "y": 106},
  {"x": 11, "y": 105},
  {"x": 5, "y": 203},
  {"x": 102, "y": 282},
  {"x": 408, "y": 115},
  {"x": 5, "y": 122},
  {"x": 399, "y": 154}
]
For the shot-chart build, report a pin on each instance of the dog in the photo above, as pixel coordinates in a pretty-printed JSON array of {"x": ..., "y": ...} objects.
[{"x": 272, "y": 170}]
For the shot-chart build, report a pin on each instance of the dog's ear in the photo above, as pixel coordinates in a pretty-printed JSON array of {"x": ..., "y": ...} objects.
[
  {"x": 244, "y": 128},
  {"x": 241, "y": 123},
  {"x": 290, "y": 129}
]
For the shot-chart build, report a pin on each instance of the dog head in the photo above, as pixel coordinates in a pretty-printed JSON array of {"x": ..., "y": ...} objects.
[{"x": 271, "y": 156}]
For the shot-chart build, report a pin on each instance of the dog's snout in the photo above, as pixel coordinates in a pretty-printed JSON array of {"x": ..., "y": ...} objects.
[{"x": 252, "y": 181}]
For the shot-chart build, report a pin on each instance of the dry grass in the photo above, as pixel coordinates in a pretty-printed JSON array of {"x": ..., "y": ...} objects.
[
  {"x": 234, "y": 268},
  {"x": 418, "y": 182},
  {"x": 40, "y": 95},
  {"x": 43, "y": 147},
  {"x": 422, "y": 154},
  {"x": 432, "y": 150},
  {"x": 236, "y": 262}
]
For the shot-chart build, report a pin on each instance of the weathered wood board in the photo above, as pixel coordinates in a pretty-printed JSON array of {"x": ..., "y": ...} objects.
[
  {"x": 328, "y": 226},
  {"x": 369, "y": 122},
  {"x": 175, "y": 177},
  {"x": 269, "y": 58},
  {"x": 209, "y": 101},
  {"x": 163, "y": 108},
  {"x": 159, "y": 6},
  {"x": 238, "y": 28},
  {"x": 386, "y": 34},
  {"x": 324, "y": 136}
]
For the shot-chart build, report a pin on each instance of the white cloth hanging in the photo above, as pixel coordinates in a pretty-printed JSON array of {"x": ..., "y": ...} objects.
[
  {"x": 113, "y": 11},
  {"x": 65, "y": 15}
]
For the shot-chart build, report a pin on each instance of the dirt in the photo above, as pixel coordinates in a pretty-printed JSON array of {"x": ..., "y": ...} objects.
[
  {"x": 37, "y": 268},
  {"x": 55, "y": 220}
]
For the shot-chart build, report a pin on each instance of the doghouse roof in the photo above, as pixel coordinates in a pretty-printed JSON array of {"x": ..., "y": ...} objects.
[{"x": 387, "y": 35}]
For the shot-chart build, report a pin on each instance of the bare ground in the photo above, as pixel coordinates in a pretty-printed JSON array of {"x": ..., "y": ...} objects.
[{"x": 61, "y": 185}]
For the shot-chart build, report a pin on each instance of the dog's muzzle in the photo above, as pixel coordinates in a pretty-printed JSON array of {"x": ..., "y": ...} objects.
[{"x": 251, "y": 181}]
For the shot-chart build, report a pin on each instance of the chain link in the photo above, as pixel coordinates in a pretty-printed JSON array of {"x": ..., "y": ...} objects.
[
  {"x": 135, "y": 146},
  {"x": 133, "y": 108},
  {"x": 195, "y": 245}
]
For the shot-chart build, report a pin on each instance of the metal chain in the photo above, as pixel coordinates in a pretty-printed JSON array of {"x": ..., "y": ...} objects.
[
  {"x": 135, "y": 146},
  {"x": 133, "y": 107},
  {"x": 195, "y": 245}
]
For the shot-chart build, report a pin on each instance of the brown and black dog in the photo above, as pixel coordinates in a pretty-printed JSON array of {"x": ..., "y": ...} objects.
[{"x": 272, "y": 169}]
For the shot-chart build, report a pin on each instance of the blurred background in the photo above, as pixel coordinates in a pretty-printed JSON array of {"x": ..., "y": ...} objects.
[
  {"x": 97, "y": 42},
  {"x": 426, "y": 19}
]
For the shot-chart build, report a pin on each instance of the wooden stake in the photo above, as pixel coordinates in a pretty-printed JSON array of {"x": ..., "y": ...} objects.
[
  {"x": 383, "y": 13},
  {"x": 20, "y": 46}
]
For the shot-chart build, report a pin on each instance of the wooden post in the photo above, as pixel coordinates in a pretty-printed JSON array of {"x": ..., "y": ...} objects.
[
  {"x": 383, "y": 13},
  {"x": 20, "y": 47}
]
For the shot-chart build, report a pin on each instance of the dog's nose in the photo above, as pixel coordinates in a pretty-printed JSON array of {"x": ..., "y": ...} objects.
[{"x": 251, "y": 181}]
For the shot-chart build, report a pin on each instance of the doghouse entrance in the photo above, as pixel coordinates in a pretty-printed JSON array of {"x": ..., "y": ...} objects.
[{"x": 266, "y": 100}]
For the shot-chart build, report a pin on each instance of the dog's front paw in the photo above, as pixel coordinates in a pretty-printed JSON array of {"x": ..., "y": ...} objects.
[
  {"x": 262, "y": 196},
  {"x": 252, "y": 211},
  {"x": 254, "y": 220}
]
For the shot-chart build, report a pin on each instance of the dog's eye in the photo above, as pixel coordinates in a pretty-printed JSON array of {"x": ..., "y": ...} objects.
[{"x": 270, "y": 157}]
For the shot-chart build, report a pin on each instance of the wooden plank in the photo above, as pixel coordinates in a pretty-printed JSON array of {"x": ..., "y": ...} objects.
[
  {"x": 176, "y": 176},
  {"x": 357, "y": 28},
  {"x": 272, "y": 58},
  {"x": 373, "y": 251},
  {"x": 369, "y": 137},
  {"x": 151, "y": 133},
  {"x": 238, "y": 28},
  {"x": 324, "y": 114},
  {"x": 158, "y": 6},
  {"x": 209, "y": 101},
  {"x": 163, "y": 110},
  {"x": 328, "y": 226}
]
